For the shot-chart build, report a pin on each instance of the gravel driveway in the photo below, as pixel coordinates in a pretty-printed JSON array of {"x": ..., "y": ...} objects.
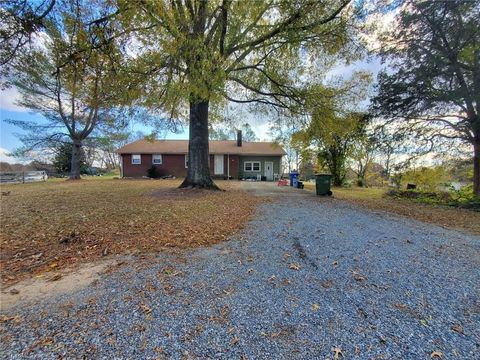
[{"x": 308, "y": 278}]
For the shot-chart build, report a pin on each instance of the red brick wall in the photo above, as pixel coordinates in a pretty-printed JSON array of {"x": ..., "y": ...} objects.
[
  {"x": 173, "y": 165},
  {"x": 131, "y": 170}
]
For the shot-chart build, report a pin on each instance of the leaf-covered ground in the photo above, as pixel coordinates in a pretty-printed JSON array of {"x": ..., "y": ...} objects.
[
  {"x": 373, "y": 198},
  {"x": 48, "y": 226}
]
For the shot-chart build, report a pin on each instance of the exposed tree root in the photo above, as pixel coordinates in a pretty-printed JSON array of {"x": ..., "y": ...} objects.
[{"x": 206, "y": 185}]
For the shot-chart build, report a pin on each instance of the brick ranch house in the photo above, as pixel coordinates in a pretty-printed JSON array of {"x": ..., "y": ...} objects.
[{"x": 229, "y": 159}]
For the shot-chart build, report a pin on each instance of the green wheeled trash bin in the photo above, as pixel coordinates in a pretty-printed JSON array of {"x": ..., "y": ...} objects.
[{"x": 322, "y": 184}]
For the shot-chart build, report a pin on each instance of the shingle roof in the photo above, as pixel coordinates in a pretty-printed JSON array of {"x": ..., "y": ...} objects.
[{"x": 215, "y": 147}]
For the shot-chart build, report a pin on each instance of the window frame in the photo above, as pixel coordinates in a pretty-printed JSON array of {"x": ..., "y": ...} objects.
[
  {"x": 252, "y": 167},
  {"x": 159, "y": 156},
  {"x": 139, "y": 159}
]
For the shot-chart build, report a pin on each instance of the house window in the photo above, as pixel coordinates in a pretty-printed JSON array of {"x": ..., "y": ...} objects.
[
  {"x": 251, "y": 166},
  {"x": 136, "y": 159},
  {"x": 157, "y": 159},
  {"x": 186, "y": 161}
]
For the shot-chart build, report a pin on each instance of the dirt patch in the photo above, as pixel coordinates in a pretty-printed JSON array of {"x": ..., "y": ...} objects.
[{"x": 43, "y": 287}]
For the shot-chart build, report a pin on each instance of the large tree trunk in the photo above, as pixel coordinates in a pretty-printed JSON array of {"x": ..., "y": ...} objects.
[
  {"x": 198, "y": 172},
  {"x": 476, "y": 166},
  {"x": 75, "y": 162}
]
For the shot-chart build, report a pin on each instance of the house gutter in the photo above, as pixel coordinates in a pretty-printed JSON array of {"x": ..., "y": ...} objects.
[
  {"x": 228, "y": 166},
  {"x": 121, "y": 166}
]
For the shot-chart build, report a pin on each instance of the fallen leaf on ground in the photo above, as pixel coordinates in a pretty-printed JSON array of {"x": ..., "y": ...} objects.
[
  {"x": 146, "y": 309},
  {"x": 327, "y": 284},
  {"x": 56, "y": 277},
  {"x": 436, "y": 354},
  {"x": 315, "y": 307},
  {"x": 335, "y": 263},
  {"x": 15, "y": 319},
  {"x": 357, "y": 276},
  {"x": 457, "y": 328},
  {"x": 14, "y": 291},
  {"x": 228, "y": 291},
  {"x": 234, "y": 340},
  {"x": 168, "y": 270},
  {"x": 46, "y": 341},
  {"x": 294, "y": 266},
  {"x": 337, "y": 353}
]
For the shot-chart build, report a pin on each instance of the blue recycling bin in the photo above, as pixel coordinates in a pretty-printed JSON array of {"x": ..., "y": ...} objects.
[{"x": 294, "y": 179}]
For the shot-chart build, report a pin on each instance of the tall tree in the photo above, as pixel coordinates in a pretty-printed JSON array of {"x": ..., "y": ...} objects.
[
  {"x": 333, "y": 138},
  {"x": 72, "y": 80},
  {"x": 363, "y": 152},
  {"x": 198, "y": 52},
  {"x": 433, "y": 86}
]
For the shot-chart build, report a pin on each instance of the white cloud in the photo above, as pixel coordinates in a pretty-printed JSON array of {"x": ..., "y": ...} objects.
[
  {"x": 261, "y": 131},
  {"x": 4, "y": 156},
  {"x": 8, "y": 98}
]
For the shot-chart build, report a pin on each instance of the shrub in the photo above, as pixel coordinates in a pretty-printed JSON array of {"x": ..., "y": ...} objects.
[
  {"x": 152, "y": 172},
  {"x": 463, "y": 198}
]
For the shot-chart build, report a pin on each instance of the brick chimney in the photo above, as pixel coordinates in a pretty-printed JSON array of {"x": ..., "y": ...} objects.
[{"x": 239, "y": 137}]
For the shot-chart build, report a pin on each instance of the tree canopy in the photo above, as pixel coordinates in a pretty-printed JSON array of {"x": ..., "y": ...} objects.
[
  {"x": 433, "y": 84},
  {"x": 20, "y": 20},
  {"x": 72, "y": 80}
]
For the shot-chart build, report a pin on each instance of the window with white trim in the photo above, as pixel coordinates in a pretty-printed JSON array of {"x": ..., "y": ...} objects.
[
  {"x": 136, "y": 159},
  {"x": 186, "y": 161},
  {"x": 157, "y": 159},
  {"x": 251, "y": 166}
]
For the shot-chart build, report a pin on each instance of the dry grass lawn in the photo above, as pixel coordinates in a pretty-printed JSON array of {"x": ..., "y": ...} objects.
[
  {"x": 49, "y": 226},
  {"x": 373, "y": 198}
]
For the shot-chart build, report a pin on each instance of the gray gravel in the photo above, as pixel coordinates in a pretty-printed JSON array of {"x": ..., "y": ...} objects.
[{"x": 307, "y": 276}]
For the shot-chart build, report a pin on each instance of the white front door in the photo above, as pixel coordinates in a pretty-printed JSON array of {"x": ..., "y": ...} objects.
[
  {"x": 218, "y": 165},
  {"x": 269, "y": 170}
]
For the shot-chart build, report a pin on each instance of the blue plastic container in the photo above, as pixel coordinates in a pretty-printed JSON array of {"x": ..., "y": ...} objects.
[{"x": 294, "y": 178}]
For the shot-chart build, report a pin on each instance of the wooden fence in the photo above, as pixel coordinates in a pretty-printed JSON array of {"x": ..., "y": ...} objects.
[{"x": 16, "y": 177}]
